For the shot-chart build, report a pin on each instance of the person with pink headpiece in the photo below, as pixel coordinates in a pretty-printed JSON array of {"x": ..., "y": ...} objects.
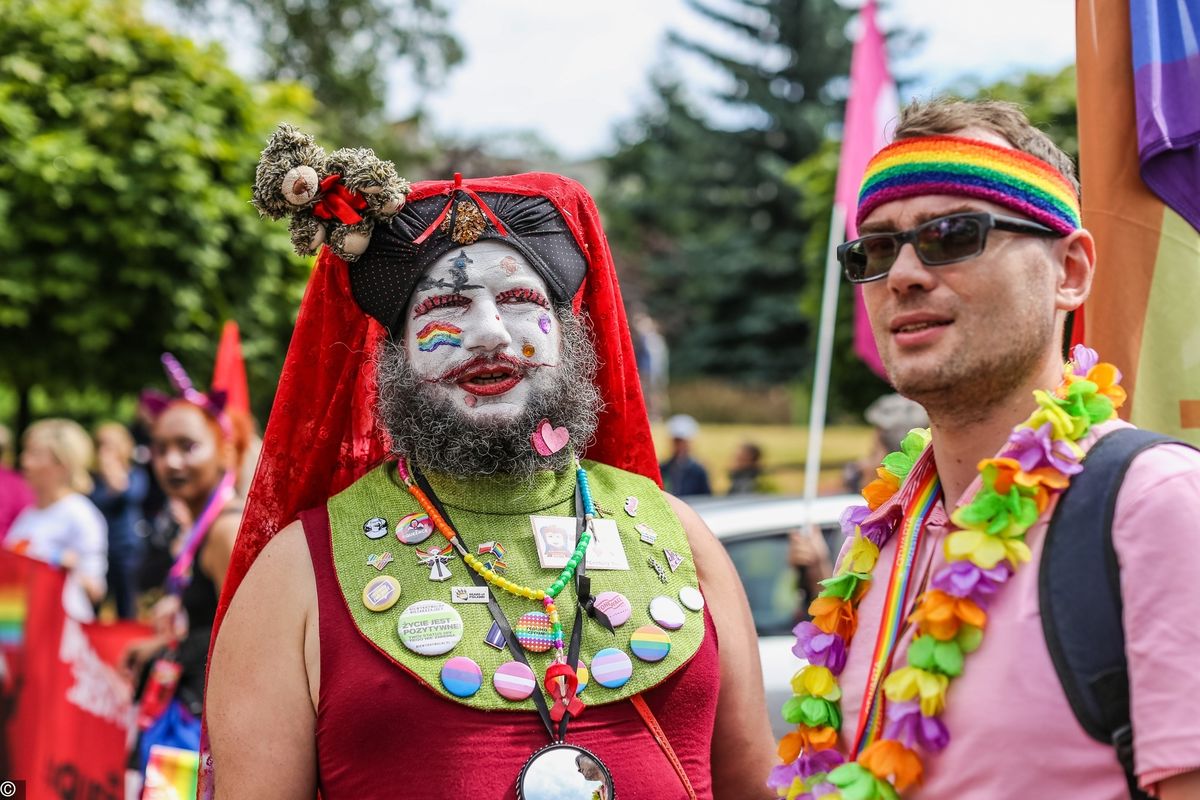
[{"x": 954, "y": 654}]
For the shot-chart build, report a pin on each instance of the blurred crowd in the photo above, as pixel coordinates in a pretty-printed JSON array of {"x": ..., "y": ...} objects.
[{"x": 142, "y": 518}]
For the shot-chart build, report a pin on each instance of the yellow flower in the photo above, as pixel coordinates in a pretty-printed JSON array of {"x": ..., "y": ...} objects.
[
  {"x": 816, "y": 681},
  {"x": 985, "y": 551},
  {"x": 1062, "y": 423},
  {"x": 908, "y": 682},
  {"x": 861, "y": 556}
]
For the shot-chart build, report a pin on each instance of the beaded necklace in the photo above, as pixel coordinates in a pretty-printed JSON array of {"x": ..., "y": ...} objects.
[
  {"x": 546, "y": 596},
  {"x": 1018, "y": 487}
]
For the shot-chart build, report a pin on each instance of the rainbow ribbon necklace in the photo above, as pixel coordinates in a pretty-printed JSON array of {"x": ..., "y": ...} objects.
[{"x": 927, "y": 491}]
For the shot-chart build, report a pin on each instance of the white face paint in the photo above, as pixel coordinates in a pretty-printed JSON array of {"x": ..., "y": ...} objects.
[{"x": 480, "y": 328}]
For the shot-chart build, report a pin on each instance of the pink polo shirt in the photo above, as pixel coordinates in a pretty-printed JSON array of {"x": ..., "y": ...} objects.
[{"x": 1012, "y": 733}]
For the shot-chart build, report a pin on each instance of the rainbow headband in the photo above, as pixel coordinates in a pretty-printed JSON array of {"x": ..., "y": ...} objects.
[{"x": 970, "y": 168}]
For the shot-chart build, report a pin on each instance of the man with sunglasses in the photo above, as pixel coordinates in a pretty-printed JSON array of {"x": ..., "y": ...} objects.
[{"x": 970, "y": 257}]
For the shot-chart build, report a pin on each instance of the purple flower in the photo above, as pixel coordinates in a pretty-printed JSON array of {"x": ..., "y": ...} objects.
[
  {"x": 781, "y": 776},
  {"x": 879, "y": 530},
  {"x": 819, "y": 648},
  {"x": 965, "y": 579},
  {"x": 853, "y": 517},
  {"x": 906, "y": 724},
  {"x": 1037, "y": 448},
  {"x": 1083, "y": 359},
  {"x": 809, "y": 764},
  {"x": 822, "y": 789}
]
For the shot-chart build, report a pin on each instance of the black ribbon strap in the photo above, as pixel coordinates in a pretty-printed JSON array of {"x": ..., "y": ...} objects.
[{"x": 510, "y": 639}]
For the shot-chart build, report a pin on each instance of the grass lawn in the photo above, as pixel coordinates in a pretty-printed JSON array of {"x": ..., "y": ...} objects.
[{"x": 784, "y": 448}]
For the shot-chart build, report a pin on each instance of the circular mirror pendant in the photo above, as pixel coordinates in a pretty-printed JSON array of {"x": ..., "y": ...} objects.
[{"x": 564, "y": 772}]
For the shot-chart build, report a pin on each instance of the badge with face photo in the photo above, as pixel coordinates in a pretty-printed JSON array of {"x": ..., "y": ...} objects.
[
  {"x": 606, "y": 550},
  {"x": 414, "y": 528},
  {"x": 555, "y": 539},
  {"x": 375, "y": 528}
]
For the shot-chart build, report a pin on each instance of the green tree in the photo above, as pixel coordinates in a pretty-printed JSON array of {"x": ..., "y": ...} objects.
[
  {"x": 344, "y": 51},
  {"x": 1049, "y": 100},
  {"x": 126, "y": 157},
  {"x": 705, "y": 222}
]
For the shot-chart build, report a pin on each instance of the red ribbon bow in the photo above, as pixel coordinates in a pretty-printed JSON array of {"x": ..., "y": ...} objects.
[
  {"x": 565, "y": 701},
  {"x": 338, "y": 201},
  {"x": 453, "y": 192}
]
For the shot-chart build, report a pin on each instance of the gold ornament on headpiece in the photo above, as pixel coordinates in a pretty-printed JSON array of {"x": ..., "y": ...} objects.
[{"x": 469, "y": 223}]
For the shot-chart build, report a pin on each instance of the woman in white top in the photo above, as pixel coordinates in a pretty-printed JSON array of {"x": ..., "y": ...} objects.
[{"x": 63, "y": 527}]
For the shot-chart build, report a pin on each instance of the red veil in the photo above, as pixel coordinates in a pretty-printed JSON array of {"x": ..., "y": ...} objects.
[{"x": 322, "y": 435}]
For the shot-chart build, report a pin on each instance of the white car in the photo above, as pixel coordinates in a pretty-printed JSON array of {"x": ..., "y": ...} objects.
[{"x": 754, "y": 530}]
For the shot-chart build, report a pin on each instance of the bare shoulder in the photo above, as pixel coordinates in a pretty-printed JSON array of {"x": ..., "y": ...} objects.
[{"x": 709, "y": 554}]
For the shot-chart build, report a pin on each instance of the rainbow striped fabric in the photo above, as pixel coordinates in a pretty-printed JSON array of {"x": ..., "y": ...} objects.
[
  {"x": 955, "y": 165},
  {"x": 923, "y": 495},
  {"x": 436, "y": 334}
]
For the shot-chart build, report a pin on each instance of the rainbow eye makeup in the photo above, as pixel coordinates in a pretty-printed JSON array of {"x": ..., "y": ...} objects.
[
  {"x": 523, "y": 295},
  {"x": 440, "y": 301},
  {"x": 436, "y": 334}
]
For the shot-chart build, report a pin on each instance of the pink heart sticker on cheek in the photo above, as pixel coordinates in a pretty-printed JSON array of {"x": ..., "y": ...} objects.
[{"x": 548, "y": 440}]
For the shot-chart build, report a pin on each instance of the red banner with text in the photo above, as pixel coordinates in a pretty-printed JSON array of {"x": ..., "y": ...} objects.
[{"x": 67, "y": 711}]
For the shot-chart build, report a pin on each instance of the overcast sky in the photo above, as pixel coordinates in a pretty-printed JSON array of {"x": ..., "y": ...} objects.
[{"x": 572, "y": 70}]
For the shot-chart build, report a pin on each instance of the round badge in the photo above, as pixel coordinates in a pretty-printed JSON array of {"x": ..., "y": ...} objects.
[
  {"x": 514, "y": 681},
  {"x": 430, "y": 627},
  {"x": 534, "y": 632},
  {"x": 375, "y": 528},
  {"x": 581, "y": 672},
  {"x": 667, "y": 613},
  {"x": 461, "y": 676},
  {"x": 381, "y": 593},
  {"x": 691, "y": 598},
  {"x": 615, "y": 606},
  {"x": 650, "y": 643},
  {"x": 611, "y": 667},
  {"x": 414, "y": 528}
]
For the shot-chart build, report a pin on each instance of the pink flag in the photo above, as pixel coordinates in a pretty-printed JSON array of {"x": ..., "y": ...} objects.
[{"x": 872, "y": 105}]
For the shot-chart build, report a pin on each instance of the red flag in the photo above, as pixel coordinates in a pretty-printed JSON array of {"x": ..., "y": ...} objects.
[
  {"x": 872, "y": 104},
  {"x": 229, "y": 371}
]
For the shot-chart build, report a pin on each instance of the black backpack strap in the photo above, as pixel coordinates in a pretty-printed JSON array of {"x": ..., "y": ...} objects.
[{"x": 1079, "y": 592}]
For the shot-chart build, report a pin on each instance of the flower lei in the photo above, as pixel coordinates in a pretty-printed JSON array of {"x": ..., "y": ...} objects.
[{"x": 1018, "y": 486}]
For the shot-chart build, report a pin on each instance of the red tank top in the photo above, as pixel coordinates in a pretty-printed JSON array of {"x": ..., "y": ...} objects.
[{"x": 380, "y": 733}]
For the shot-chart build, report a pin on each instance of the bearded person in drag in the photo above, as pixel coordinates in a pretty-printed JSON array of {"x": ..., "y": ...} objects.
[{"x": 460, "y": 386}]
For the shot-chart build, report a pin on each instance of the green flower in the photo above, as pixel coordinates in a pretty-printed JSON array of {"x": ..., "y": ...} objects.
[
  {"x": 856, "y": 782},
  {"x": 844, "y": 586},
  {"x": 929, "y": 654},
  {"x": 1006, "y": 515},
  {"x": 901, "y": 462},
  {"x": 813, "y": 712}
]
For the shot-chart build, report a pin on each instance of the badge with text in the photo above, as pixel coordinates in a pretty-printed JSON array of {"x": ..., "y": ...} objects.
[
  {"x": 555, "y": 540},
  {"x": 606, "y": 550},
  {"x": 414, "y": 528},
  {"x": 468, "y": 594},
  {"x": 381, "y": 593}
]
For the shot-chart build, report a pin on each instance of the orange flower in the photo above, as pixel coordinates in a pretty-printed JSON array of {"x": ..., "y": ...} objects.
[
  {"x": 1006, "y": 472},
  {"x": 939, "y": 614},
  {"x": 807, "y": 740},
  {"x": 880, "y": 490},
  {"x": 834, "y": 615},
  {"x": 1107, "y": 377},
  {"x": 889, "y": 760}
]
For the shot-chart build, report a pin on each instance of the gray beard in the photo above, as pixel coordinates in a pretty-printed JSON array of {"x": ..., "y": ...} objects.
[{"x": 430, "y": 431}]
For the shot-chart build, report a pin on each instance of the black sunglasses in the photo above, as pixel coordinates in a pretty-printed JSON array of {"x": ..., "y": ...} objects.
[{"x": 945, "y": 240}]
